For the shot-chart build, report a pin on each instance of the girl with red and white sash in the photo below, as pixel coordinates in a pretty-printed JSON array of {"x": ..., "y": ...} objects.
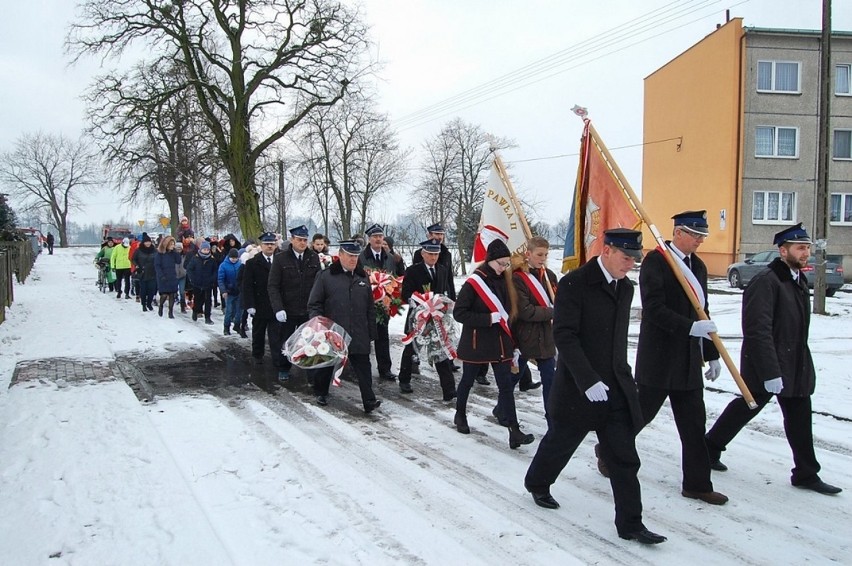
[
  {"x": 481, "y": 308},
  {"x": 533, "y": 325}
]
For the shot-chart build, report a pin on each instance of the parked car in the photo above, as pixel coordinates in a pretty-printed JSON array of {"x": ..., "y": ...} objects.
[{"x": 742, "y": 272}]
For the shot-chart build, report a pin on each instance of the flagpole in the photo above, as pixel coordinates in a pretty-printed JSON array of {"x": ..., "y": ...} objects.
[
  {"x": 504, "y": 176},
  {"x": 664, "y": 249}
]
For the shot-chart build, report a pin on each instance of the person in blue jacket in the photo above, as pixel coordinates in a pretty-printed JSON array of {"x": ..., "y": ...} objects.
[{"x": 229, "y": 288}]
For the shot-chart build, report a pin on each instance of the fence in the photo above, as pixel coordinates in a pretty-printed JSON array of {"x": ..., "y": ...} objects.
[{"x": 16, "y": 258}]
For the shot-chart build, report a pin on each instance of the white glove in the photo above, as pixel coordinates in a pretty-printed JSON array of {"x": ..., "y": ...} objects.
[
  {"x": 597, "y": 392},
  {"x": 495, "y": 317},
  {"x": 714, "y": 371},
  {"x": 281, "y": 316},
  {"x": 702, "y": 328},
  {"x": 516, "y": 358},
  {"x": 252, "y": 311},
  {"x": 774, "y": 386}
]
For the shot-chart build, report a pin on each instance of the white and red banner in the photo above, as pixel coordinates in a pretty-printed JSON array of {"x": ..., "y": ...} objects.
[{"x": 500, "y": 218}]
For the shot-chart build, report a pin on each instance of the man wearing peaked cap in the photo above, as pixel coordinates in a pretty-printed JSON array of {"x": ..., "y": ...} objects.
[
  {"x": 418, "y": 277},
  {"x": 776, "y": 360},
  {"x": 376, "y": 258},
  {"x": 291, "y": 279},
  {"x": 673, "y": 347},
  {"x": 342, "y": 293},
  {"x": 436, "y": 232},
  {"x": 593, "y": 389},
  {"x": 255, "y": 297}
]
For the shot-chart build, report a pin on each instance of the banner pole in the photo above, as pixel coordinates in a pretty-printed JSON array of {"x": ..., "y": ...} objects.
[{"x": 664, "y": 249}]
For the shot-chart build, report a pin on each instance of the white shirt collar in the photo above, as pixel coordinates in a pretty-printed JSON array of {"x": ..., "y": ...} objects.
[{"x": 609, "y": 278}]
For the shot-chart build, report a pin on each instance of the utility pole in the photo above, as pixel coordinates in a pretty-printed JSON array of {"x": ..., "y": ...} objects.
[
  {"x": 822, "y": 193},
  {"x": 282, "y": 208}
]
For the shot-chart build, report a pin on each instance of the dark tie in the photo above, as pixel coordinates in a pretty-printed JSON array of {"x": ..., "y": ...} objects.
[
  {"x": 379, "y": 258},
  {"x": 688, "y": 263},
  {"x": 432, "y": 273},
  {"x": 614, "y": 285},
  {"x": 269, "y": 259}
]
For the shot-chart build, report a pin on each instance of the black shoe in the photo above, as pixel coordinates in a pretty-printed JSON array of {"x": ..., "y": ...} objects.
[
  {"x": 711, "y": 497},
  {"x": 482, "y": 380},
  {"x": 388, "y": 375},
  {"x": 283, "y": 375},
  {"x": 322, "y": 400},
  {"x": 405, "y": 387},
  {"x": 544, "y": 499},
  {"x": 500, "y": 419},
  {"x": 602, "y": 467},
  {"x": 208, "y": 321},
  {"x": 144, "y": 308},
  {"x": 460, "y": 420},
  {"x": 517, "y": 437},
  {"x": 717, "y": 465},
  {"x": 194, "y": 316},
  {"x": 242, "y": 332},
  {"x": 227, "y": 331},
  {"x": 530, "y": 386},
  {"x": 456, "y": 368},
  {"x": 371, "y": 406},
  {"x": 644, "y": 536},
  {"x": 820, "y": 486},
  {"x": 449, "y": 398}
]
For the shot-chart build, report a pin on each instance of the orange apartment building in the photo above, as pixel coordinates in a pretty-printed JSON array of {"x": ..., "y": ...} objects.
[{"x": 743, "y": 107}]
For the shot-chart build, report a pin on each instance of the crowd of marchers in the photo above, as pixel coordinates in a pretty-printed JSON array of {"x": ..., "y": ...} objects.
[{"x": 514, "y": 313}]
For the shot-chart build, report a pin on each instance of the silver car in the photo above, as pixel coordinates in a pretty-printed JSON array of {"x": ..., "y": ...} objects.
[{"x": 742, "y": 272}]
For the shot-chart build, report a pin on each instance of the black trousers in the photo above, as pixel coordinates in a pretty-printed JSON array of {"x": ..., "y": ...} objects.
[
  {"x": 261, "y": 329},
  {"x": 382, "y": 348},
  {"x": 444, "y": 369},
  {"x": 122, "y": 275},
  {"x": 690, "y": 418},
  {"x": 618, "y": 449},
  {"x": 360, "y": 364},
  {"x": 505, "y": 388},
  {"x": 202, "y": 302},
  {"x": 798, "y": 426},
  {"x": 287, "y": 329}
]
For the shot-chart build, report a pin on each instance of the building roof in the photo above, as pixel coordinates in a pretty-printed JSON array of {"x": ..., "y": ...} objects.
[{"x": 801, "y": 32}]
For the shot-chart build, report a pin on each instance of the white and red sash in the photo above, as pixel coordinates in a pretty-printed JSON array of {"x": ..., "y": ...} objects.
[
  {"x": 690, "y": 277},
  {"x": 536, "y": 289},
  {"x": 491, "y": 301}
]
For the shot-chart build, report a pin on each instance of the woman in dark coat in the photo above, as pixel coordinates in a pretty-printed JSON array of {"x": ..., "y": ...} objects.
[
  {"x": 486, "y": 338},
  {"x": 143, "y": 259},
  {"x": 201, "y": 272},
  {"x": 165, "y": 264}
]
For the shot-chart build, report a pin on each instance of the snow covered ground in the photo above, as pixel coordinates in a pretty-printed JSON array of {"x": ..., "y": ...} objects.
[{"x": 89, "y": 475}]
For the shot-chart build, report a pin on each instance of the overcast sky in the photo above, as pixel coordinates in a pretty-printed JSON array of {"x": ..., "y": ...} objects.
[{"x": 435, "y": 50}]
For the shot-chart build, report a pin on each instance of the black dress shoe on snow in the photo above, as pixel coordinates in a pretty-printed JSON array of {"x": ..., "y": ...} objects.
[
  {"x": 405, "y": 387},
  {"x": 371, "y": 406},
  {"x": 603, "y": 469},
  {"x": 711, "y": 497},
  {"x": 530, "y": 386},
  {"x": 717, "y": 465},
  {"x": 449, "y": 398},
  {"x": 322, "y": 400},
  {"x": 456, "y": 368},
  {"x": 545, "y": 500},
  {"x": 482, "y": 380},
  {"x": 500, "y": 419},
  {"x": 820, "y": 486},
  {"x": 644, "y": 536},
  {"x": 388, "y": 375}
]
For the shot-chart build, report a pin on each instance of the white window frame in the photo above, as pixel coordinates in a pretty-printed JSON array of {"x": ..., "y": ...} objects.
[
  {"x": 774, "y": 154},
  {"x": 843, "y": 201},
  {"x": 772, "y": 88},
  {"x": 834, "y": 144},
  {"x": 779, "y": 220},
  {"x": 848, "y": 68}
]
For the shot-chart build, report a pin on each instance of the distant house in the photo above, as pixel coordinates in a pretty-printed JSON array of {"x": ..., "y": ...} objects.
[{"x": 743, "y": 107}]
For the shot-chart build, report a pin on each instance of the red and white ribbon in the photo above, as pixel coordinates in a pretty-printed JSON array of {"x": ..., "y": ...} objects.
[
  {"x": 491, "y": 301},
  {"x": 430, "y": 306},
  {"x": 536, "y": 288}
]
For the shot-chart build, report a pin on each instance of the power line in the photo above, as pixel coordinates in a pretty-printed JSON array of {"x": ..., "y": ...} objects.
[{"x": 679, "y": 138}]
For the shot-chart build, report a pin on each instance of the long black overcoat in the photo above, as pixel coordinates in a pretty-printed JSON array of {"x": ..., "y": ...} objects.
[
  {"x": 347, "y": 299},
  {"x": 255, "y": 292},
  {"x": 590, "y": 330},
  {"x": 776, "y": 319},
  {"x": 290, "y": 284},
  {"x": 667, "y": 357}
]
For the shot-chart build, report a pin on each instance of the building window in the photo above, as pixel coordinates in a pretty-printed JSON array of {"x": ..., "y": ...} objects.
[
  {"x": 772, "y": 207},
  {"x": 842, "y": 81},
  {"x": 777, "y": 76},
  {"x": 842, "y": 144},
  {"x": 841, "y": 208},
  {"x": 774, "y": 141}
]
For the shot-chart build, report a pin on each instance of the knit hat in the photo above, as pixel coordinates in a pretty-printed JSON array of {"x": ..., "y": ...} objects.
[
  {"x": 234, "y": 252},
  {"x": 205, "y": 246},
  {"x": 178, "y": 246},
  {"x": 145, "y": 237},
  {"x": 496, "y": 250},
  {"x": 125, "y": 242}
]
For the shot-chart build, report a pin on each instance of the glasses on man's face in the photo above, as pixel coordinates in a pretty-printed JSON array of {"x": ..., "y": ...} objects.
[{"x": 695, "y": 235}]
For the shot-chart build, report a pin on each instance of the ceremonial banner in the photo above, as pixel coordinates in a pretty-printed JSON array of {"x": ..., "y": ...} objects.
[
  {"x": 599, "y": 204},
  {"x": 500, "y": 217}
]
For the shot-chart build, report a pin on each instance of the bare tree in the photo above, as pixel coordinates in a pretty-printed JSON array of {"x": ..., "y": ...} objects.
[
  {"x": 253, "y": 66},
  {"x": 350, "y": 156},
  {"x": 48, "y": 173}
]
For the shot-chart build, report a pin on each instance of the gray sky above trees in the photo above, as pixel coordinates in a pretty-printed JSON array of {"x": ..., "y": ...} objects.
[{"x": 436, "y": 50}]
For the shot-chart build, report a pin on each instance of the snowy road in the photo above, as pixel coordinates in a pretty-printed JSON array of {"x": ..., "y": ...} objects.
[{"x": 89, "y": 475}]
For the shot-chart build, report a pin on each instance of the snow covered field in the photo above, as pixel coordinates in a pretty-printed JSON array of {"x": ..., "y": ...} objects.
[{"x": 89, "y": 475}]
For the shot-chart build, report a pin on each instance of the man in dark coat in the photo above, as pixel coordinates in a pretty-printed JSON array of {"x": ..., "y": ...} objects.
[
  {"x": 436, "y": 232},
  {"x": 255, "y": 297},
  {"x": 290, "y": 282},
  {"x": 432, "y": 276},
  {"x": 593, "y": 388},
  {"x": 375, "y": 257},
  {"x": 201, "y": 272},
  {"x": 776, "y": 359},
  {"x": 50, "y": 241},
  {"x": 673, "y": 345},
  {"x": 342, "y": 293}
]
